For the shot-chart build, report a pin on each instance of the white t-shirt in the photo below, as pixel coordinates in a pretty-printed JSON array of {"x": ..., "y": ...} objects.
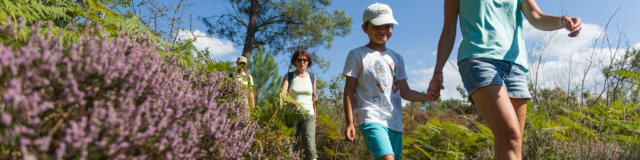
[
  {"x": 377, "y": 93},
  {"x": 301, "y": 89}
]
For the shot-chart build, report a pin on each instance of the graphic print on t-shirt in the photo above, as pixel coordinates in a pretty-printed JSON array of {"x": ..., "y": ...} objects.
[
  {"x": 382, "y": 79},
  {"x": 385, "y": 75}
]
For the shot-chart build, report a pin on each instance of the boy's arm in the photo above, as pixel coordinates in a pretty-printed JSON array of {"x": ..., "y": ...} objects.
[
  {"x": 349, "y": 92},
  {"x": 412, "y": 95}
]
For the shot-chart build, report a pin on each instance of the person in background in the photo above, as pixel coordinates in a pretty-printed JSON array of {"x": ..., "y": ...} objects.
[
  {"x": 301, "y": 85},
  {"x": 244, "y": 78}
]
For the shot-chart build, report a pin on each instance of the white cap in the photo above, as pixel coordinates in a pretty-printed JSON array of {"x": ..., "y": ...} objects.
[
  {"x": 378, "y": 14},
  {"x": 241, "y": 59}
]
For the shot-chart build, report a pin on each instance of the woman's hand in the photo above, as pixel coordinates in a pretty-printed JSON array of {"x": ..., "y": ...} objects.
[
  {"x": 572, "y": 24},
  {"x": 435, "y": 85}
]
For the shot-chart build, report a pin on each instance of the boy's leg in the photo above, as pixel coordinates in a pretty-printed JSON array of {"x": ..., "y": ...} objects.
[
  {"x": 376, "y": 137},
  {"x": 396, "y": 143}
]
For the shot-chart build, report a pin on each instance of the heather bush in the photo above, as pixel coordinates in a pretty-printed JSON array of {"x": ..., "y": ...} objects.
[{"x": 114, "y": 98}]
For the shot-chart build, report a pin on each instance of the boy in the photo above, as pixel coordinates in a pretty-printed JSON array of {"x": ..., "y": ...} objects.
[{"x": 376, "y": 81}]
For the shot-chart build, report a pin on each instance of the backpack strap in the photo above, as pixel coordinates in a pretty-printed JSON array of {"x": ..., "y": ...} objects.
[
  {"x": 313, "y": 78},
  {"x": 290, "y": 77}
]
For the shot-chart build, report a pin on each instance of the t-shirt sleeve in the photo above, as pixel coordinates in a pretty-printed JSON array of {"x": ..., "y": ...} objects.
[
  {"x": 353, "y": 65},
  {"x": 400, "y": 72}
]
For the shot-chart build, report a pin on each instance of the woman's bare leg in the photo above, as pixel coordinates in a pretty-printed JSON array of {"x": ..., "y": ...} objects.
[{"x": 497, "y": 110}]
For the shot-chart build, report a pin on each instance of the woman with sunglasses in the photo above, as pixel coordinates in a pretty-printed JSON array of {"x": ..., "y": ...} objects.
[{"x": 300, "y": 84}]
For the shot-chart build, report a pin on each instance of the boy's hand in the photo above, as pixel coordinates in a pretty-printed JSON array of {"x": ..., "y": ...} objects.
[
  {"x": 350, "y": 133},
  {"x": 431, "y": 97}
]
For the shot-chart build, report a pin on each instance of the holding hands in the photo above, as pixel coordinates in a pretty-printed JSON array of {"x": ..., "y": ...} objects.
[{"x": 435, "y": 85}]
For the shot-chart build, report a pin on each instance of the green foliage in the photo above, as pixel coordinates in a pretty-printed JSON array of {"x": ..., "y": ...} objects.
[
  {"x": 446, "y": 140},
  {"x": 330, "y": 139},
  {"x": 32, "y": 11},
  {"x": 622, "y": 78},
  {"x": 600, "y": 131},
  {"x": 70, "y": 17},
  {"x": 264, "y": 69},
  {"x": 632, "y": 73},
  {"x": 277, "y": 118},
  {"x": 280, "y": 25}
]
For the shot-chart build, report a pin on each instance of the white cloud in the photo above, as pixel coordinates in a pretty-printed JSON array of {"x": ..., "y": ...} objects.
[
  {"x": 637, "y": 46},
  {"x": 419, "y": 80},
  {"x": 217, "y": 47},
  {"x": 559, "y": 44},
  {"x": 566, "y": 61}
]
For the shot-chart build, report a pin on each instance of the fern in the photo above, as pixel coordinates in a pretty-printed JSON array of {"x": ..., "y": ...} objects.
[
  {"x": 447, "y": 140},
  {"x": 33, "y": 11}
]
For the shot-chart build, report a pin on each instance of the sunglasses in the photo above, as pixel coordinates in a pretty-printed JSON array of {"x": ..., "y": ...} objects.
[{"x": 302, "y": 59}]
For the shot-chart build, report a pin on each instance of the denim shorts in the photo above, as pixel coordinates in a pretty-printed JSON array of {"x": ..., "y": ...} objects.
[
  {"x": 381, "y": 140},
  {"x": 480, "y": 72}
]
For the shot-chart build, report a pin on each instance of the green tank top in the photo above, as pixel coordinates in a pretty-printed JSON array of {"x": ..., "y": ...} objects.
[{"x": 492, "y": 29}]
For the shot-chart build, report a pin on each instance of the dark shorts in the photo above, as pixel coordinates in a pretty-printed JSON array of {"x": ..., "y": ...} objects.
[{"x": 480, "y": 72}]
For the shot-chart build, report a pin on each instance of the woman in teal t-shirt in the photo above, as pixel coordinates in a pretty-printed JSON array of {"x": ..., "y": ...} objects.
[{"x": 492, "y": 61}]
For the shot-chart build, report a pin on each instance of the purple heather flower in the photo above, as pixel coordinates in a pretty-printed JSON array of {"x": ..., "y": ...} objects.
[
  {"x": 6, "y": 118},
  {"x": 114, "y": 94}
]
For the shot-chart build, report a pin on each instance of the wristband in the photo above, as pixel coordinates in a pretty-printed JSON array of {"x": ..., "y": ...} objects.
[{"x": 562, "y": 21}]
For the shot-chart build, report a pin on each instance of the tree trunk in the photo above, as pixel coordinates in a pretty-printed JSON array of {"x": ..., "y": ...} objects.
[{"x": 251, "y": 29}]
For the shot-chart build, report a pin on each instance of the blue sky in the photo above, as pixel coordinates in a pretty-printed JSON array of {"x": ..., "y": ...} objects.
[{"x": 420, "y": 23}]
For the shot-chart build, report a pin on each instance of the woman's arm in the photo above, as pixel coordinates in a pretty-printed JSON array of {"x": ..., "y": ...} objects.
[
  {"x": 445, "y": 45},
  {"x": 285, "y": 85},
  {"x": 548, "y": 22}
]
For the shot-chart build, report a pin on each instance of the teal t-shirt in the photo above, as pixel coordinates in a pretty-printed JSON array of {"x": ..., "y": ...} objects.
[{"x": 492, "y": 29}]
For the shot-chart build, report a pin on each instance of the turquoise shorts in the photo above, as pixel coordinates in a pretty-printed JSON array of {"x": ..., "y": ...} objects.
[{"x": 382, "y": 141}]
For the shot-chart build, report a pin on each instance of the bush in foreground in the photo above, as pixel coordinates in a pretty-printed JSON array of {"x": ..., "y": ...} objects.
[{"x": 113, "y": 98}]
